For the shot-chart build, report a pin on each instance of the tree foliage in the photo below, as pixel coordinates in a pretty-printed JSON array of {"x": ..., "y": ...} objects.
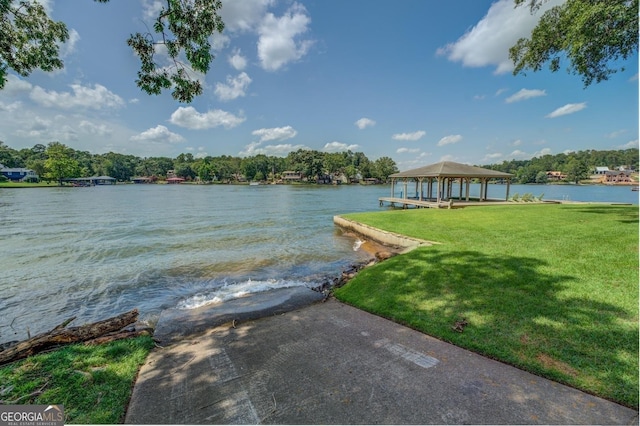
[
  {"x": 60, "y": 163},
  {"x": 30, "y": 39},
  {"x": 576, "y": 165},
  {"x": 57, "y": 161},
  {"x": 592, "y": 35},
  {"x": 183, "y": 27}
]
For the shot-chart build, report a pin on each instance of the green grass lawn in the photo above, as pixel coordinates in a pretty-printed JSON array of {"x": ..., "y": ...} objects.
[
  {"x": 9, "y": 184},
  {"x": 92, "y": 382},
  {"x": 552, "y": 289}
]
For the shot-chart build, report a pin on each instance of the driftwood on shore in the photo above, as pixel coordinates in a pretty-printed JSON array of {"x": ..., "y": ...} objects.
[{"x": 98, "y": 332}]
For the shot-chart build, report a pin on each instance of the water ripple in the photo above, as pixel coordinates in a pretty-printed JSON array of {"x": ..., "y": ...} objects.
[{"x": 96, "y": 252}]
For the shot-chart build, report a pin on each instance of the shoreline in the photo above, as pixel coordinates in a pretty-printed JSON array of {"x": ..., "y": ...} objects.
[
  {"x": 380, "y": 245},
  {"x": 379, "y": 239}
]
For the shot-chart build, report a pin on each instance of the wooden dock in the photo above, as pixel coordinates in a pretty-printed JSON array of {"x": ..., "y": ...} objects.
[
  {"x": 433, "y": 203},
  {"x": 406, "y": 202}
]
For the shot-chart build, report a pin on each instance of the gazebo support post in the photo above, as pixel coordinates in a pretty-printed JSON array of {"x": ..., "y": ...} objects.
[
  {"x": 468, "y": 184},
  {"x": 508, "y": 187}
]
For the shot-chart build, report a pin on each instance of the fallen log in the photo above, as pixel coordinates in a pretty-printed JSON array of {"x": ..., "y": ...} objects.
[
  {"x": 112, "y": 337},
  {"x": 61, "y": 336}
]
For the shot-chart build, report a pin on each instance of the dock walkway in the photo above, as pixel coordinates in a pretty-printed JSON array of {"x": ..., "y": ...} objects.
[{"x": 433, "y": 204}]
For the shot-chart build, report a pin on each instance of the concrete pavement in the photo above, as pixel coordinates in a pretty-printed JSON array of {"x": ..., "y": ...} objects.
[{"x": 299, "y": 362}]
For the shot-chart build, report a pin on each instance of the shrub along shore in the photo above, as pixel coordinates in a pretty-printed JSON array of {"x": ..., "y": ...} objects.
[{"x": 551, "y": 289}]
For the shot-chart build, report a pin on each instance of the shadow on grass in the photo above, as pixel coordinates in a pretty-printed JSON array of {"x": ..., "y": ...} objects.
[{"x": 516, "y": 311}]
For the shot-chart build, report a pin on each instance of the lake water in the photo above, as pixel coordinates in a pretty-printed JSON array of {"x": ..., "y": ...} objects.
[{"x": 100, "y": 251}]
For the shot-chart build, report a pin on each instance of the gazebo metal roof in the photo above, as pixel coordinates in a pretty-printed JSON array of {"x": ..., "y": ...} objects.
[{"x": 451, "y": 169}]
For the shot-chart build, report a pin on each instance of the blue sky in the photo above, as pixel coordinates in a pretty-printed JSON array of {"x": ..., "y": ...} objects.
[{"x": 419, "y": 81}]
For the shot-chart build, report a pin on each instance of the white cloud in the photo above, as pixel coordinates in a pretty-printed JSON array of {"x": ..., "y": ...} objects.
[
  {"x": 517, "y": 142},
  {"x": 235, "y": 87},
  {"x": 82, "y": 96},
  {"x": 364, "y": 122},
  {"x": 13, "y": 106},
  {"x": 238, "y": 61},
  {"x": 492, "y": 157},
  {"x": 630, "y": 144},
  {"x": 488, "y": 42},
  {"x": 415, "y": 161},
  {"x": 277, "y": 44},
  {"x": 15, "y": 85},
  {"x": 521, "y": 155},
  {"x": 407, "y": 150},
  {"x": 190, "y": 118},
  {"x": 448, "y": 157},
  {"x": 339, "y": 147},
  {"x": 615, "y": 134},
  {"x": 151, "y": 8},
  {"x": 158, "y": 134},
  {"x": 36, "y": 127},
  {"x": 409, "y": 136},
  {"x": 200, "y": 155},
  {"x": 567, "y": 109},
  {"x": 95, "y": 129},
  {"x": 518, "y": 155},
  {"x": 451, "y": 139},
  {"x": 219, "y": 42},
  {"x": 70, "y": 46},
  {"x": 280, "y": 150},
  {"x": 241, "y": 16},
  {"x": 524, "y": 94},
  {"x": 275, "y": 133}
]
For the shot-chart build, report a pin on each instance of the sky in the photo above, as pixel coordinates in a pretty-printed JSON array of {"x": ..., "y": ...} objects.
[{"x": 420, "y": 81}]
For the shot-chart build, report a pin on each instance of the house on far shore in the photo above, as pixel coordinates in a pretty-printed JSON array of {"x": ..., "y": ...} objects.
[
  {"x": 601, "y": 170},
  {"x": 18, "y": 174},
  {"x": 291, "y": 176},
  {"x": 613, "y": 176},
  {"x": 175, "y": 180},
  {"x": 554, "y": 176}
]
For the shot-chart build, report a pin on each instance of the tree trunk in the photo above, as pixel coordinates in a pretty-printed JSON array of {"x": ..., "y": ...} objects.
[{"x": 60, "y": 336}]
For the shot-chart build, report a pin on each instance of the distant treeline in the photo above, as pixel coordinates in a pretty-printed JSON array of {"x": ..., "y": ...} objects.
[
  {"x": 57, "y": 161},
  {"x": 576, "y": 166}
]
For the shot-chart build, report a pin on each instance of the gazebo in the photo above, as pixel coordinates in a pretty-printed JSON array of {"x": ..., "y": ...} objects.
[{"x": 443, "y": 177}]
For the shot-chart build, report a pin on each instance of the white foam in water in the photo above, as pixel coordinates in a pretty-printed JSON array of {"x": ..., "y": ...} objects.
[
  {"x": 234, "y": 291},
  {"x": 357, "y": 244}
]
